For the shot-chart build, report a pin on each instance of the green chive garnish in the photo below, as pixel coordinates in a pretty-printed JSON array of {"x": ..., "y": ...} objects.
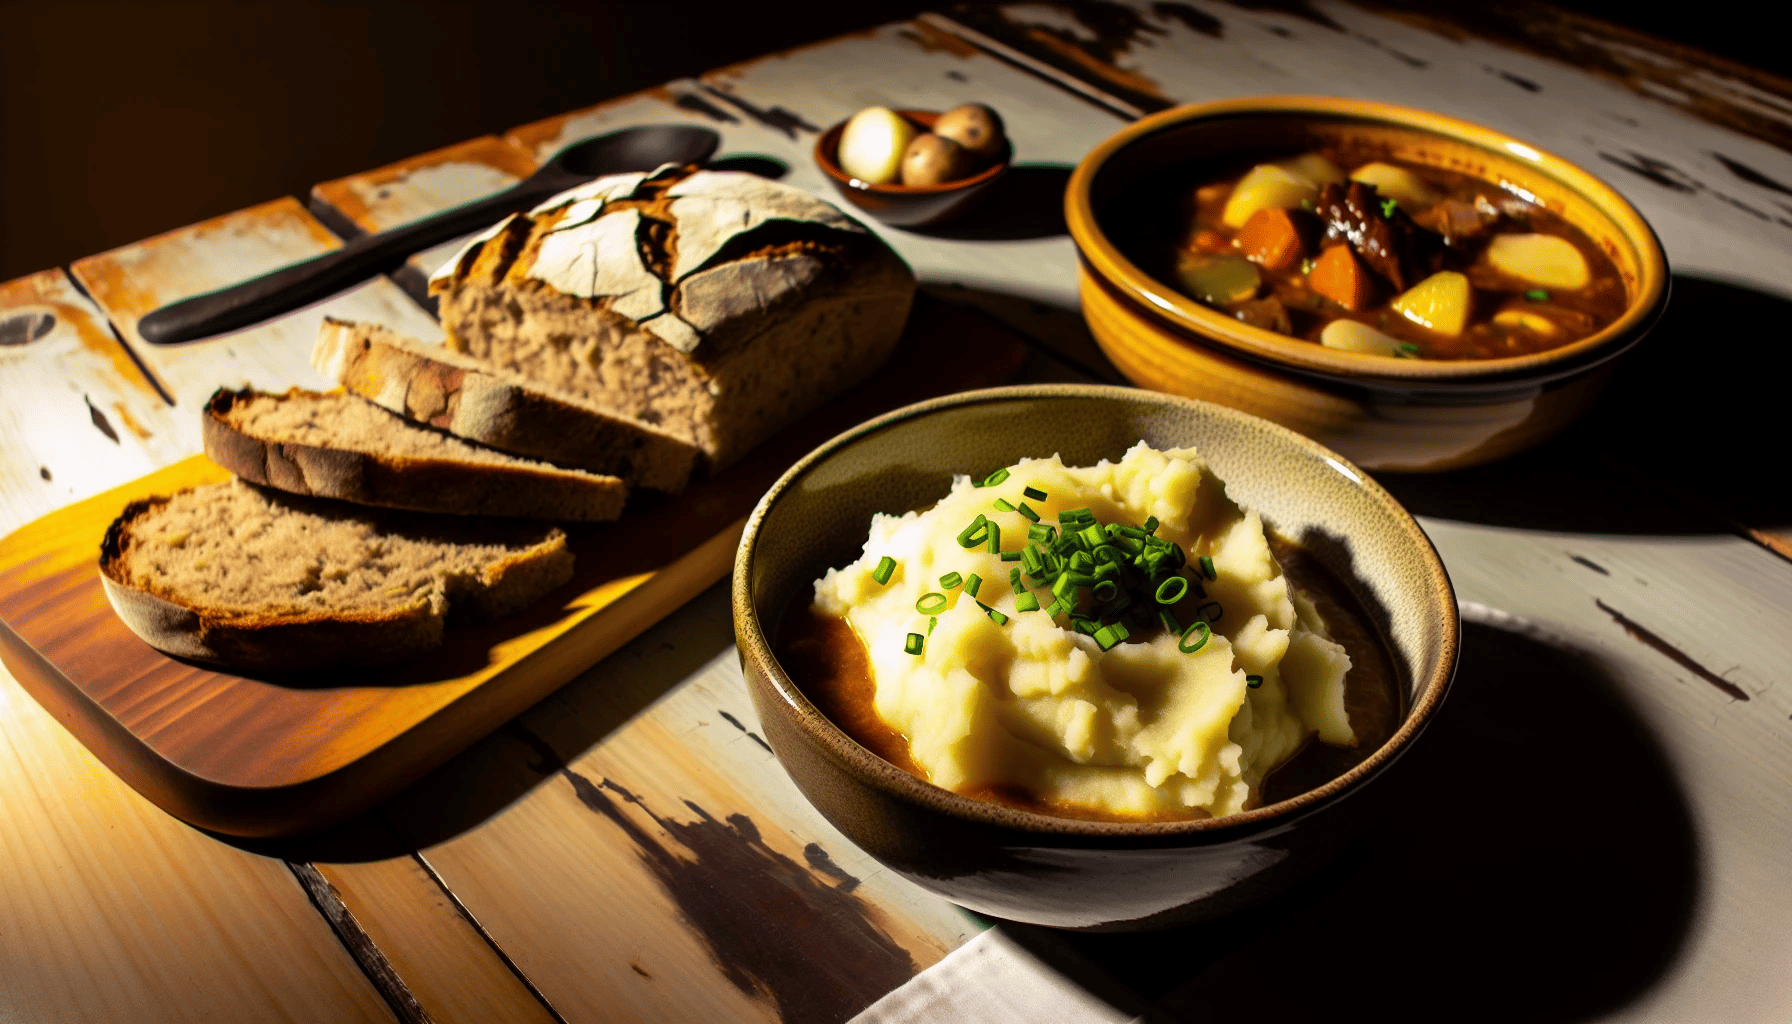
[
  {"x": 1168, "y": 618},
  {"x": 1407, "y": 351},
  {"x": 1029, "y": 513},
  {"x": 1010, "y": 556},
  {"x": 1106, "y": 591},
  {"x": 973, "y": 534},
  {"x": 951, "y": 580},
  {"x": 886, "y": 567},
  {"x": 995, "y": 537},
  {"x": 1207, "y": 568},
  {"x": 1200, "y": 627},
  {"x": 972, "y": 583},
  {"x": 1172, "y": 590},
  {"x": 1057, "y": 608},
  {"x": 1150, "y": 524},
  {"x": 1042, "y": 534},
  {"x": 1388, "y": 206},
  {"x": 1211, "y": 611},
  {"x": 1064, "y": 588},
  {"x": 1083, "y": 625},
  {"x": 995, "y": 478},
  {"x": 913, "y": 644},
  {"x": 994, "y": 616},
  {"x": 932, "y": 623},
  {"x": 1109, "y": 635},
  {"x": 1537, "y": 295},
  {"x": 1002, "y": 505},
  {"x": 931, "y": 603},
  {"x": 1035, "y": 493},
  {"x": 1027, "y": 602},
  {"x": 1093, "y": 536},
  {"x": 1014, "y": 581},
  {"x": 1253, "y": 681}
]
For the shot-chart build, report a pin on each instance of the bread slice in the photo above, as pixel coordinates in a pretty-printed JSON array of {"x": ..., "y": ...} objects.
[
  {"x": 263, "y": 580},
  {"x": 717, "y": 306},
  {"x": 441, "y": 387},
  {"x": 338, "y": 446}
]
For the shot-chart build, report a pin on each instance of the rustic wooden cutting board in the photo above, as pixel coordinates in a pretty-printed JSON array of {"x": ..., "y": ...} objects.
[{"x": 266, "y": 756}]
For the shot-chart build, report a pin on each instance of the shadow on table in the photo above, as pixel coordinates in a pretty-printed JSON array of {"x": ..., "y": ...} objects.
[
  {"x": 1028, "y": 202},
  {"x": 1696, "y": 411},
  {"x": 1535, "y": 860}
]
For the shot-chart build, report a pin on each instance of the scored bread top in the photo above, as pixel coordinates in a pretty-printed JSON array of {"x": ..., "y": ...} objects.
[
  {"x": 681, "y": 252},
  {"x": 340, "y": 446},
  {"x": 438, "y": 386},
  {"x": 258, "y": 578}
]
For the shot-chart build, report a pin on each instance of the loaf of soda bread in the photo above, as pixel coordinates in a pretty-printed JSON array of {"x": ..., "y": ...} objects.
[{"x": 716, "y": 306}]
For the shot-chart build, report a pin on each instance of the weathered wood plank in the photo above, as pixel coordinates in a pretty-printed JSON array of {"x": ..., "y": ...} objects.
[
  {"x": 132, "y": 280},
  {"x": 79, "y": 415},
  {"x": 115, "y": 911}
]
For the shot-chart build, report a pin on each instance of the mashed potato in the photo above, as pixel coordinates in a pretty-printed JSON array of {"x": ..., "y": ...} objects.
[{"x": 1139, "y": 729}]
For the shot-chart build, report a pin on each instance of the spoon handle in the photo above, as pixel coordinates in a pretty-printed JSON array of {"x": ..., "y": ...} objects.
[{"x": 320, "y": 277}]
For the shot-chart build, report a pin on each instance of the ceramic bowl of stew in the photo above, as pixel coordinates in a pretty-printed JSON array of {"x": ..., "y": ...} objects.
[
  {"x": 1406, "y": 227},
  {"x": 1349, "y": 540},
  {"x": 909, "y": 206}
]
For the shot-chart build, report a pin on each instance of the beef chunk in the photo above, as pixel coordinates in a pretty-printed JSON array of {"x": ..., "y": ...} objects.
[{"x": 1394, "y": 248}]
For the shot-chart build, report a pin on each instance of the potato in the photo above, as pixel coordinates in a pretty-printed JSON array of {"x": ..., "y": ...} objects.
[
  {"x": 933, "y": 160},
  {"x": 1406, "y": 189},
  {"x": 1316, "y": 169},
  {"x": 1220, "y": 280},
  {"x": 1356, "y": 336},
  {"x": 1545, "y": 260},
  {"x": 1518, "y": 319},
  {"x": 872, "y": 145},
  {"x": 1440, "y": 303},
  {"x": 975, "y": 127},
  {"x": 1266, "y": 187}
]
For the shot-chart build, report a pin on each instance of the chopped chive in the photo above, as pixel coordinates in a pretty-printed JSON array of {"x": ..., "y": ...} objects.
[
  {"x": 1200, "y": 642},
  {"x": 1306, "y": 204},
  {"x": 973, "y": 534},
  {"x": 1014, "y": 581},
  {"x": 932, "y": 622},
  {"x": 951, "y": 580},
  {"x": 972, "y": 583},
  {"x": 1168, "y": 618},
  {"x": 1207, "y": 569},
  {"x": 1002, "y": 505},
  {"x": 1083, "y": 625},
  {"x": 1388, "y": 206},
  {"x": 914, "y": 644},
  {"x": 1211, "y": 611},
  {"x": 1172, "y": 590},
  {"x": 1106, "y": 591},
  {"x": 1031, "y": 560},
  {"x": 1010, "y": 556},
  {"x": 1537, "y": 295},
  {"x": 995, "y": 478},
  {"x": 1056, "y": 608},
  {"x": 1029, "y": 513},
  {"x": 1042, "y": 534},
  {"x": 994, "y": 616},
  {"x": 886, "y": 567},
  {"x": 1064, "y": 588},
  {"x": 1129, "y": 531},
  {"x": 1033, "y": 492},
  {"x": 1027, "y": 602},
  {"x": 1093, "y": 536},
  {"x": 931, "y": 603},
  {"x": 1253, "y": 681},
  {"x": 1109, "y": 635},
  {"x": 1150, "y": 524}
]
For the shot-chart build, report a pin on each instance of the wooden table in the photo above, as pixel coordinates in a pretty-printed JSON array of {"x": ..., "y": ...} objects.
[{"x": 630, "y": 849}]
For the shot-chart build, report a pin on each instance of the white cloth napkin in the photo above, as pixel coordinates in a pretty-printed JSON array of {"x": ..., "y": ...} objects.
[{"x": 993, "y": 979}]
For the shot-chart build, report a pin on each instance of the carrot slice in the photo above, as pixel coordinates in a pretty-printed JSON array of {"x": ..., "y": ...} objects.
[
  {"x": 1340, "y": 276},
  {"x": 1271, "y": 238}
]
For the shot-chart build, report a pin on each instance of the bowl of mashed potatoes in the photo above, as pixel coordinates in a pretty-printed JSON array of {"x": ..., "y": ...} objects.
[{"x": 1089, "y": 657}]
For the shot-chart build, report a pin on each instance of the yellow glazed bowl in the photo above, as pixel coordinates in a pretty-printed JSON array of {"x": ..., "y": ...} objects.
[{"x": 1381, "y": 413}]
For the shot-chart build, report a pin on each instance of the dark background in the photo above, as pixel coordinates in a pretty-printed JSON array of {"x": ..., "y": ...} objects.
[{"x": 122, "y": 120}]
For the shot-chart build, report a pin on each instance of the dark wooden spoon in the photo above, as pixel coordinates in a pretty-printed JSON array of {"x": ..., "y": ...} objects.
[{"x": 632, "y": 149}]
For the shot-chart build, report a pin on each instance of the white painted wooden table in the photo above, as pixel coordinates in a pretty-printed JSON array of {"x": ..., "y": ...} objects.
[{"x": 629, "y": 849}]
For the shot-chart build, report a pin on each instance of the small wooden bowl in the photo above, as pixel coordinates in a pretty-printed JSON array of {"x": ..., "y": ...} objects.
[
  {"x": 1064, "y": 872},
  {"x": 909, "y": 206},
  {"x": 1398, "y": 414}
]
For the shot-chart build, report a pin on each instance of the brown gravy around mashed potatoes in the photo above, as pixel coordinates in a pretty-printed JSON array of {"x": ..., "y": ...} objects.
[{"x": 829, "y": 663}]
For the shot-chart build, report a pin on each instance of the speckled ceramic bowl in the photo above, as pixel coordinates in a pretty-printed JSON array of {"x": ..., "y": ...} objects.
[
  {"x": 909, "y": 206},
  {"x": 1400, "y": 414},
  {"x": 1057, "y": 871}
]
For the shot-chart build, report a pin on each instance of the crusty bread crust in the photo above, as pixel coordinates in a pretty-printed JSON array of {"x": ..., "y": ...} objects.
[
  {"x": 735, "y": 306},
  {"x": 397, "y": 481},
  {"x": 276, "y": 643},
  {"x": 453, "y": 392}
]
